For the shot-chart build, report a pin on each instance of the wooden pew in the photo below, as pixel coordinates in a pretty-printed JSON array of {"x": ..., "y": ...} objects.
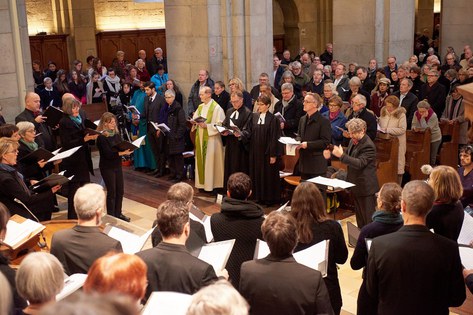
[
  {"x": 418, "y": 152},
  {"x": 387, "y": 156},
  {"x": 94, "y": 111},
  {"x": 448, "y": 154}
]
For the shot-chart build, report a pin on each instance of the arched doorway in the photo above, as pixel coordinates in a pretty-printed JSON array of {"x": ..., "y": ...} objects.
[{"x": 286, "y": 25}]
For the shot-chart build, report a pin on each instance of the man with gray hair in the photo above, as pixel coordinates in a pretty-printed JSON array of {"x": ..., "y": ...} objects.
[
  {"x": 300, "y": 77},
  {"x": 407, "y": 99},
  {"x": 157, "y": 59},
  {"x": 413, "y": 265},
  {"x": 359, "y": 110},
  {"x": 434, "y": 92},
  {"x": 291, "y": 110},
  {"x": 79, "y": 247}
]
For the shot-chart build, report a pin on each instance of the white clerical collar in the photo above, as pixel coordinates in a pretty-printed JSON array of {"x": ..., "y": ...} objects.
[{"x": 49, "y": 90}]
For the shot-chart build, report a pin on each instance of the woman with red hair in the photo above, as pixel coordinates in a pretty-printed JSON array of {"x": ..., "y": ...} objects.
[{"x": 120, "y": 273}]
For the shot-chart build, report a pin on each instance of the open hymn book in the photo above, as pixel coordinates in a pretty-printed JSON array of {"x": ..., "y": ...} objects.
[
  {"x": 315, "y": 257},
  {"x": 217, "y": 254},
  {"x": 131, "y": 243},
  {"x": 20, "y": 230},
  {"x": 167, "y": 303}
]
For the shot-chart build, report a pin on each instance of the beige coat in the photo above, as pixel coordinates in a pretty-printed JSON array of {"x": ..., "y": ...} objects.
[{"x": 395, "y": 124}]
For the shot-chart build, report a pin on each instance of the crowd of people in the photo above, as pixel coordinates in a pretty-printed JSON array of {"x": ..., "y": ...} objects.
[{"x": 333, "y": 109}]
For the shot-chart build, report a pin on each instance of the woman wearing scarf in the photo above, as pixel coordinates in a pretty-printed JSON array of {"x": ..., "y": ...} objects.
[
  {"x": 112, "y": 87},
  {"x": 455, "y": 112},
  {"x": 387, "y": 219},
  {"x": 14, "y": 188},
  {"x": 110, "y": 164},
  {"x": 337, "y": 119},
  {"x": 424, "y": 118},
  {"x": 73, "y": 133}
]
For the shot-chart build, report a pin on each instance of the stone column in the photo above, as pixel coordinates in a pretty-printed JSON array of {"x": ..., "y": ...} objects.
[
  {"x": 456, "y": 25},
  {"x": 378, "y": 28},
  {"x": 229, "y": 38},
  {"x": 82, "y": 30},
  {"x": 15, "y": 68}
]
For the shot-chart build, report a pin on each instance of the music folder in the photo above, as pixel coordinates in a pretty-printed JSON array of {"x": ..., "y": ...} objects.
[
  {"x": 20, "y": 230},
  {"x": 125, "y": 145},
  {"x": 51, "y": 181},
  {"x": 53, "y": 116},
  {"x": 37, "y": 155},
  {"x": 131, "y": 243},
  {"x": 353, "y": 234},
  {"x": 217, "y": 254},
  {"x": 161, "y": 127}
]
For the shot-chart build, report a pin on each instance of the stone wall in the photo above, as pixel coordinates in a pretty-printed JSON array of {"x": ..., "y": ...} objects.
[
  {"x": 40, "y": 17},
  {"x": 127, "y": 14}
]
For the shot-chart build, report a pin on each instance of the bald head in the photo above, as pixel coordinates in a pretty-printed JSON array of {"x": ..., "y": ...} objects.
[
  {"x": 67, "y": 96},
  {"x": 32, "y": 101}
]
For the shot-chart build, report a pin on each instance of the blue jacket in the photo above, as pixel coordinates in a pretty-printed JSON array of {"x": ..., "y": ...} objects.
[{"x": 339, "y": 121}]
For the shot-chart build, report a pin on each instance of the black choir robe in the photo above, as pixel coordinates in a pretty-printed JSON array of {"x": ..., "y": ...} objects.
[
  {"x": 237, "y": 149},
  {"x": 263, "y": 145}
]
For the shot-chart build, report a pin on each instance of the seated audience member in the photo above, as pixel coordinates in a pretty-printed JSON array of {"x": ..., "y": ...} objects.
[
  {"x": 290, "y": 108},
  {"x": 14, "y": 188},
  {"x": 219, "y": 298},
  {"x": 5, "y": 268},
  {"x": 77, "y": 86},
  {"x": 424, "y": 118},
  {"x": 97, "y": 67},
  {"x": 337, "y": 119},
  {"x": 387, "y": 219},
  {"x": 39, "y": 279},
  {"x": 313, "y": 226},
  {"x": 434, "y": 92},
  {"x": 142, "y": 72},
  {"x": 360, "y": 111},
  {"x": 95, "y": 91},
  {"x": 112, "y": 87},
  {"x": 61, "y": 82},
  {"x": 236, "y": 85},
  {"x": 378, "y": 96},
  {"x": 329, "y": 92},
  {"x": 170, "y": 265},
  {"x": 455, "y": 112},
  {"x": 93, "y": 304},
  {"x": 288, "y": 77},
  {"x": 277, "y": 284},
  {"x": 172, "y": 85},
  {"x": 414, "y": 271},
  {"x": 183, "y": 192},
  {"x": 9, "y": 131},
  {"x": 446, "y": 215},
  {"x": 79, "y": 247},
  {"x": 466, "y": 176},
  {"x": 393, "y": 122},
  {"x": 52, "y": 70},
  {"x": 119, "y": 64},
  {"x": 160, "y": 79},
  {"x": 355, "y": 89},
  {"x": 239, "y": 219},
  {"x": 118, "y": 273},
  {"x": 266, "y": 89}
]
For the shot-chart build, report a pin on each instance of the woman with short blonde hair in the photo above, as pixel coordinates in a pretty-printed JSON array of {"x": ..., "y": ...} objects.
[{"x": 446, "y": 216}]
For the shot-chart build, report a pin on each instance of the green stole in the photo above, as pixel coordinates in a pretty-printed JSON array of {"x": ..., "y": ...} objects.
[{"x": 201, "y": 151}]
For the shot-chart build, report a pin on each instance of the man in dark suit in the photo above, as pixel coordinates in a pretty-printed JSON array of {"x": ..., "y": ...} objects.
[
  {"x": 361, "y": 160},
  {"x": 415, "y": 271},
  {"x": 391, "y": 67},
  {"x": 277, "y": 284},
  {"x": 278, "y": 70},
  {"x": 255, "y": 91},
  {"x": 434, "y": 92},
  {"x": 32, "y": 114},
  {"x": 367, "y": 84},
  {"x": 184, "y": 192},
  {"x": 290, "y": 108},
  {"x": 170, "y": 266},
  {"x": 153, "y": 104},
  {"x": 341, "y": 81},
  {"x": 239, "y": 219},
  {"x": 79, "y": 247},
  {"x": 407, "y": 100},
  {"x": 315, "y": 133}
]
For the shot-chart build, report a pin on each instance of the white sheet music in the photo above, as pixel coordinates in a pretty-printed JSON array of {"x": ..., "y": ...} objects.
[
  {"x": 289, "y": 140},
  {"x": 466, "y": 256},
  {"x": 466, "y": 233},
  {"x": 206, "y": 223},
  {"x": 332, "y": 182},
  {"x": 131, "y": 243},
  {"x": 217, "y": 254},
  {"x": 137, "y": 143},
  {"x": 71, "y": 284},
  {"x": 262, "y": 249},
  {"x": 19, "y": 232},
  {"x": 65, "y": 154},
  {"x": 167, "y": 303}
]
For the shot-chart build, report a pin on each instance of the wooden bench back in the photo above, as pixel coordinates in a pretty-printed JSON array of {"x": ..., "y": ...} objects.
[
  {"x": 387, "y": 156},
  {"x": 94, "y": 111},
  {"x": 417, "y": 152},
  {"x": 448, "y": 154}
]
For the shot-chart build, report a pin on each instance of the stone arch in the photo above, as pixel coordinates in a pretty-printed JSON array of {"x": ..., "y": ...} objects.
[{"x": 291, "y": 23}]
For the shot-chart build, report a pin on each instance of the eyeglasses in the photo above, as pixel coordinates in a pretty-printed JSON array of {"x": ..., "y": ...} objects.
[{"x": 31, "y": 130}]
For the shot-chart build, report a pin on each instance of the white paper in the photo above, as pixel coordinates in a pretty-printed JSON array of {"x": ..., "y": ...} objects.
[
  {"x": 221, "y": 129},
  {"x": 137, "y": 143},
  {"x": 71, "y": 284},
  {"x": 133, "y": 109},
  {"x": 164, "y": 128},
  {"x": 131, "y": 243},
  {"x": 206, "y": 223},
  {"x": 284, "y": 174},
  {"x": 283, "y": 206},
  {"x": 466, "y": 233},
  {"x": 65, "y": 154},
  {"x": 466, "y": 256},
  {"x": 167, "y": 303},
  {"x": 188, "y": 153},
  {"x": 217, "y": 254},
  {"x": 19, "y": 232},
  {"x": 289, "y": 140},
  {"x": 280, "y": 117},
  {"x": 315, "y": 257},
  {"x": 332, "y": 182},
  {"x": 291, "y": 149},
  {"x": 368, "y": 241},
  {"x": 56, "y": 151}
]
